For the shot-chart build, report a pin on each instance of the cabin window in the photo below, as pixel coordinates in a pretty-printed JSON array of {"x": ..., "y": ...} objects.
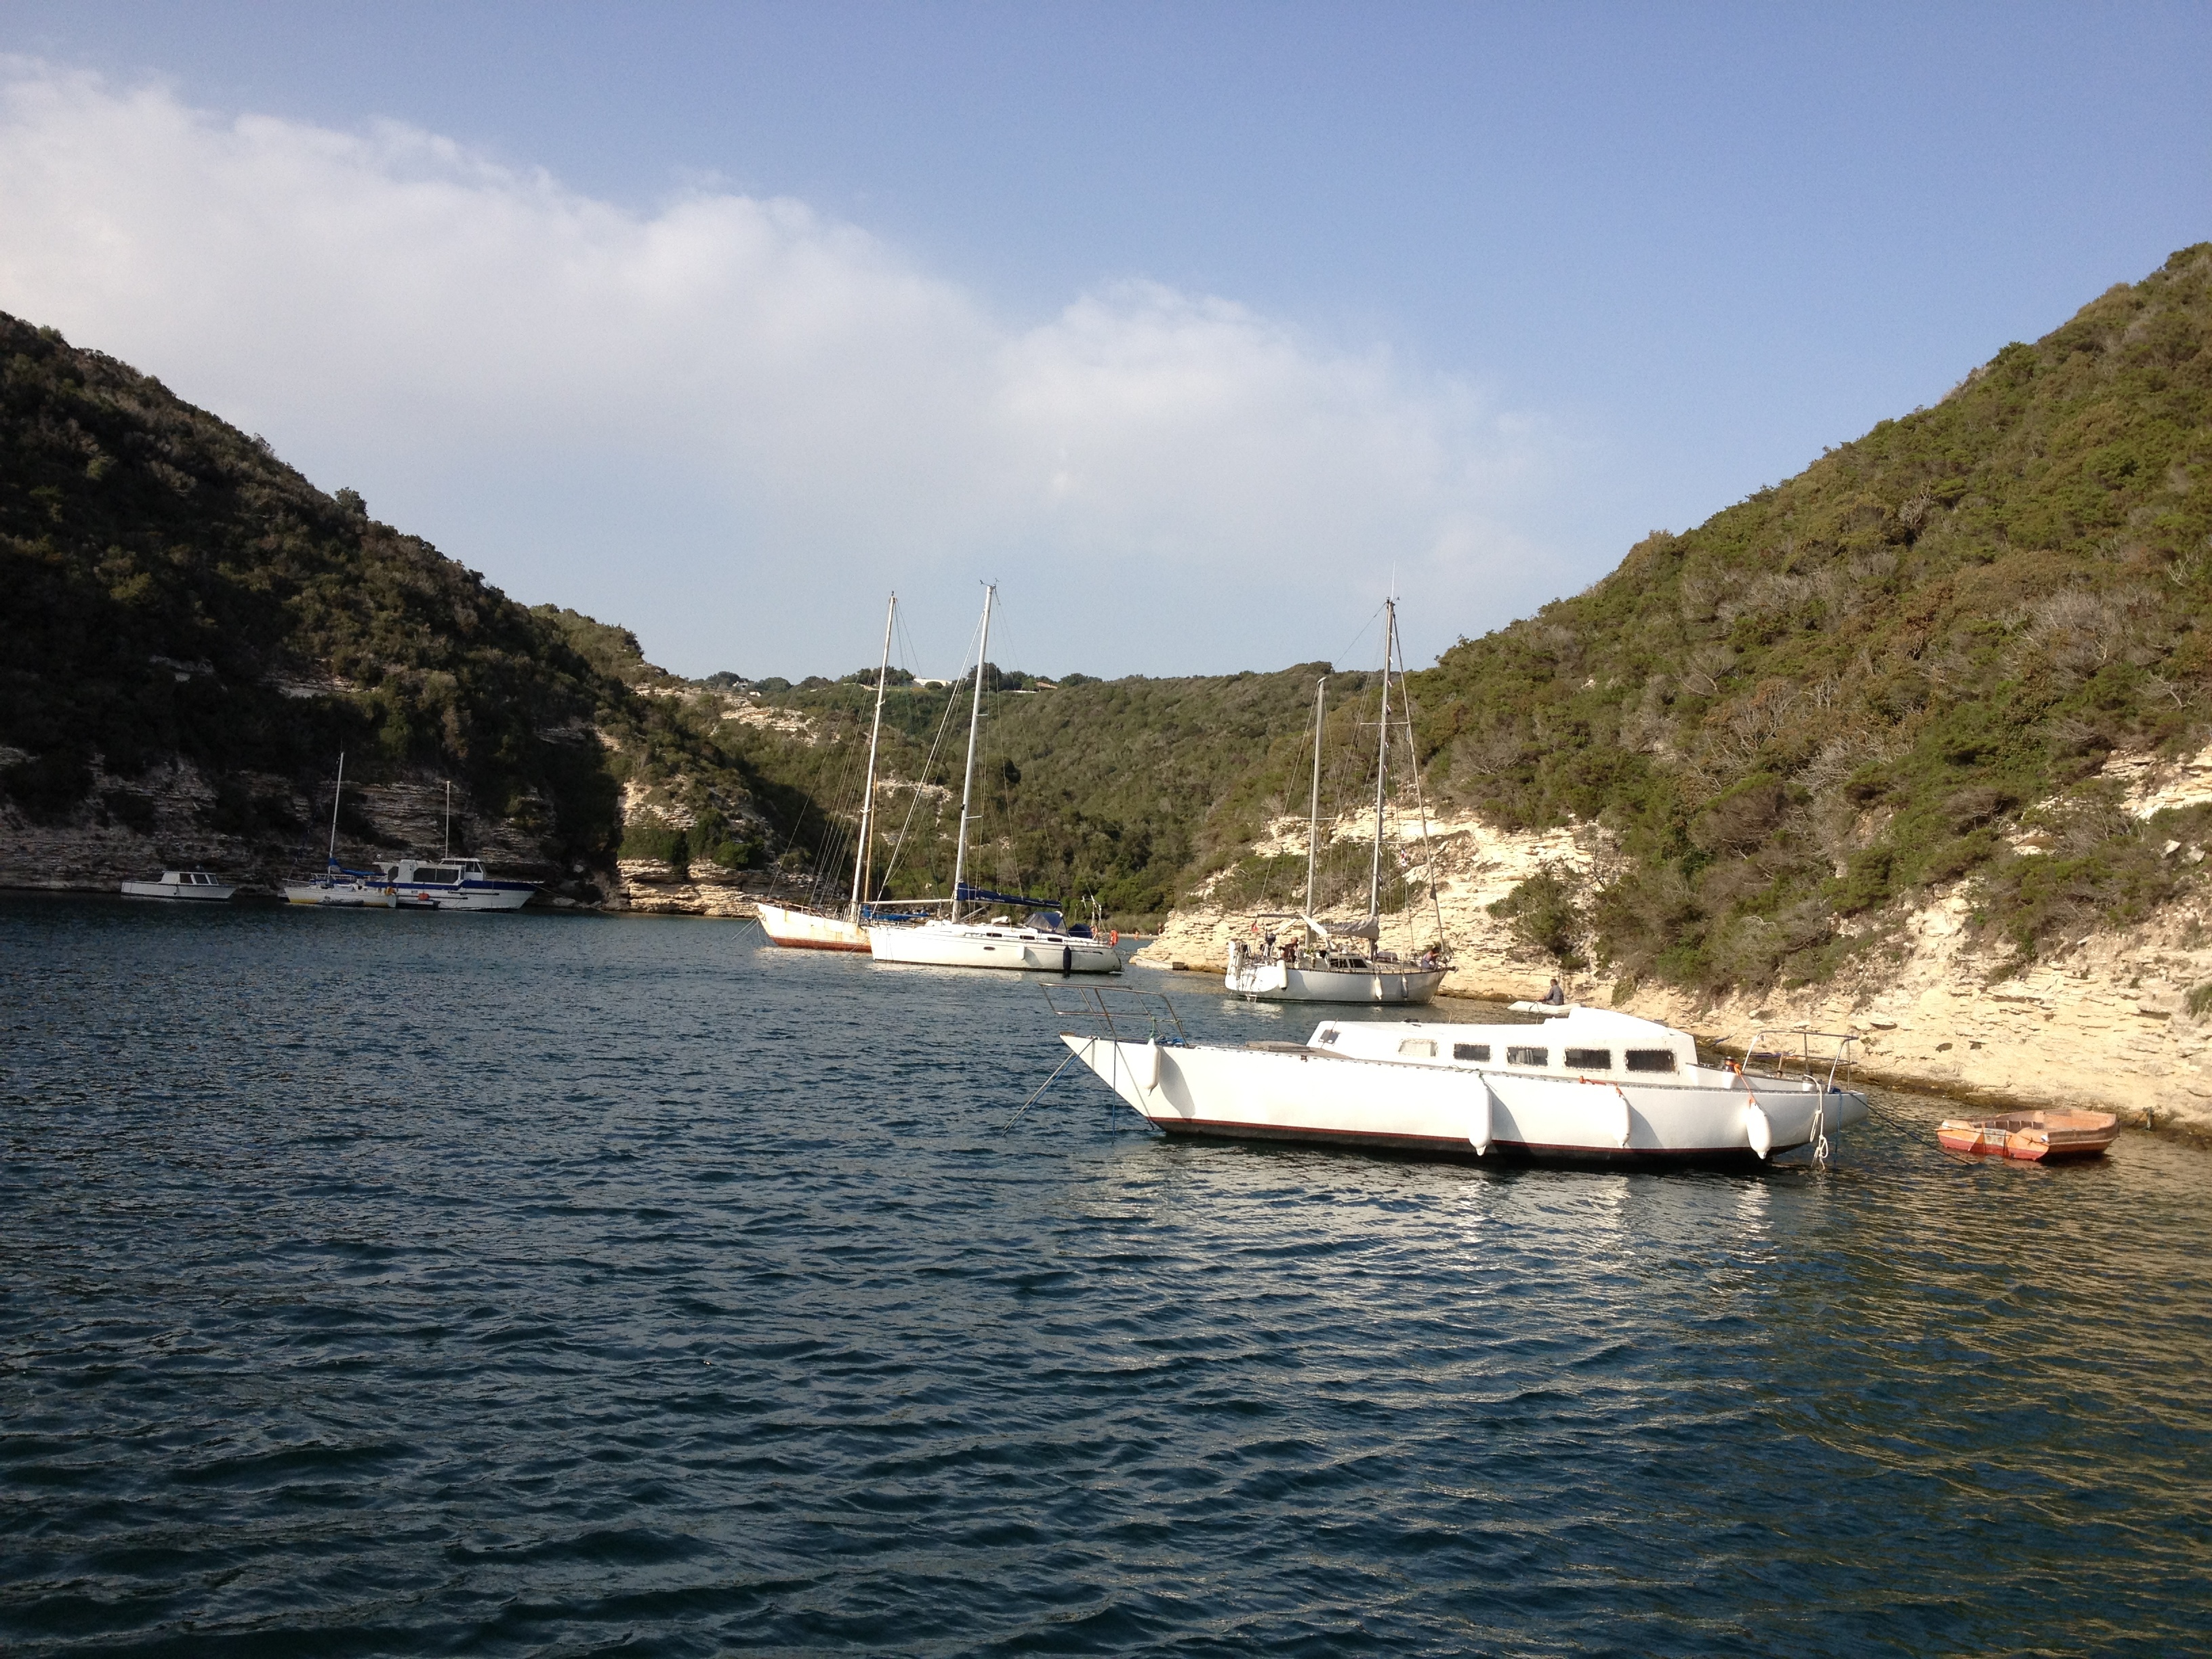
[
  {"x": 1329, "y": 1038},
  {"x": 1589, "y": 1059},
  {"x": 1651, "y": 1059},
  {"x": 1470, "y": 1051},
  {"x": 1528, "y": 1056},
  {"x": 1419, "y": 1047}
]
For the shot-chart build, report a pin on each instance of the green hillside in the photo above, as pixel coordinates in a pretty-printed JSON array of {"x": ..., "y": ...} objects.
[
  {"x": 175, "y": 591},
  {"x": 1122, "y": 789},
  {"x": 1881, "y": 674}
]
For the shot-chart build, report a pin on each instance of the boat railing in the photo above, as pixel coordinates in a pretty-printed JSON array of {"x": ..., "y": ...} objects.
[
  {"x": 1798, "y": 1052},
  {"x": 1117, "y": 1012}
]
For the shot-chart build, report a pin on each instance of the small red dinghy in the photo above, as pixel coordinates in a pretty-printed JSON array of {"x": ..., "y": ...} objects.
[{"x": 2031, "y": 1135}]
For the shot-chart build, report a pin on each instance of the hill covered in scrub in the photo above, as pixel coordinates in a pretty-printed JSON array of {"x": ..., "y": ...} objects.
[
  {"x": 1118, "y": 790},
  {"x": 177, "y": 597},
  {"x": 1909, "y": 664}
]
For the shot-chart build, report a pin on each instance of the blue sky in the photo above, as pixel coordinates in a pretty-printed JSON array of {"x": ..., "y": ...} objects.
[{"x": 1189, "y": 325}]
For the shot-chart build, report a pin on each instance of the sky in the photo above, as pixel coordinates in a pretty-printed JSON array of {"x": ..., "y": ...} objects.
[{"x": 1198, "y": 328}]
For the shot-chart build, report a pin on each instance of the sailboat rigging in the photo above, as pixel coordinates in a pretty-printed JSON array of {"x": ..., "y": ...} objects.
[
  {"x": 1340, "y": 962},
  {"x": 1000, "y": 942}
]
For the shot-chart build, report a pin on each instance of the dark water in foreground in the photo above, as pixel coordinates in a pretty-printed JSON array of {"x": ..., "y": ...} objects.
[{"x": 397, "y": 1284}]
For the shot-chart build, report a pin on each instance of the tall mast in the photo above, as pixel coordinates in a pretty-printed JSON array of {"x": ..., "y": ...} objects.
[
  {"x": 1383, "y": 757},
  {"x": 1313, "y": 812},
  {"x": 868, "y": 791},
  {"x": 967, "y": 783},
  {"x": 447, "y": 857},
  {"x": 335, "y": 793}
]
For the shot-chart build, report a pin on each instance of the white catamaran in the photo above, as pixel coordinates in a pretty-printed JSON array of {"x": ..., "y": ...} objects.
[
  {"x": 1338, "y": 962},
  {"x": 1000, "y": 942}
]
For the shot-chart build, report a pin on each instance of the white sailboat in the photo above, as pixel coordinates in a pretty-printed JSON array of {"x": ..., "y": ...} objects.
[
  {"x": 352, "y": 890},
  {"x": 449, "y": 884},
  {"x": 1314, "y": 961},
  {"x": 1000, "y": 942},
  {"x": 815, "y": 928},
  {"x": 1584, "y": 1086}
]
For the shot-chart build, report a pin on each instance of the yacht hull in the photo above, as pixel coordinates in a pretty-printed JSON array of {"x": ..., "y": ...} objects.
[
  {"x": 1275, "y": 982},
  {"x": 809, "y": 930},
  {"x": 344, "y": 895},
  {"x": 1015, "y": 950},
  {"x": 1290, "y": 1093},
  {"x": 158, "y": 889}
]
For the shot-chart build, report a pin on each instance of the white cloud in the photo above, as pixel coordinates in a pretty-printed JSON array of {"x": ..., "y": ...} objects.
[{"x": 731, "y": 423}]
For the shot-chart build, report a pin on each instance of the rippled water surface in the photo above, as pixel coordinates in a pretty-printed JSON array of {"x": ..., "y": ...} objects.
[{"x": 417, "y": 1284}]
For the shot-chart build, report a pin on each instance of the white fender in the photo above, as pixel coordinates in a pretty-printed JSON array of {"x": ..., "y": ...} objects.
[
  {"x": 1477, "y": 1129},
  {"x": 1758, "y": 1133},
  {"x": 1147, "y": 1067}
]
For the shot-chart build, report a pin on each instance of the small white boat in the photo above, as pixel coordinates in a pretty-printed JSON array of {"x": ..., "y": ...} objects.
[
  {"x": 1584, "y": 1086},
  {"x": 1038, "y": 946},
  {"x": 181, "y": 884},
  {"x": 349, "y": 889},
  {"x": 1309, "y": 960}
]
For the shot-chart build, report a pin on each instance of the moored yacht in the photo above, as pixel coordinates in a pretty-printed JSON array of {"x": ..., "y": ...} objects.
[
  {"x": 181, "y": 884},
  {"x": 1040, "y": 943},
  {"x": 450, "y": 884},
  {"x": 1586, "y": 1085},
  {"x": 1309, "y": 960}
]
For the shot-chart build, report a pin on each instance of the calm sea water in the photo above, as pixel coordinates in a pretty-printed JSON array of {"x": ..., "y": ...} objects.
[{"x": 418, "y": 1283}]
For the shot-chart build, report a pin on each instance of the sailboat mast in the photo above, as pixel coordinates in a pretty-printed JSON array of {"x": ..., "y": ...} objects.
[
  {"x": 868, "y": 790},
  {"x": 1383, "y": 757},
  {"x": 1313, "y": 812},
  {"x": 967, "y": 783},
  {"x": 335, "y": 793},
  {"x": 446, "y": 856}
]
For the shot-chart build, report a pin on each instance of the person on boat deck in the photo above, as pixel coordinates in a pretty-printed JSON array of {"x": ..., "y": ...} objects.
[{"x": 1555, "y": 996}]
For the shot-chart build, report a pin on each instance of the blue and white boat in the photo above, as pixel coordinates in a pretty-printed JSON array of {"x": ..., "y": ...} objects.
[
  {"x": 448, "y": 884},
  {"x": 451, "y": 884}
]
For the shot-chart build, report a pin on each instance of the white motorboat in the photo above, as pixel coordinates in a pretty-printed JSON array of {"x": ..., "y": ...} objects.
[
  {"x": 181, "y": 884},
  {"x": 1040, "y": 944},
  {"x": 1584, "y": 1086},
  {"x": 1309, "y": 960},
  {"x": 450, "y": 884}
]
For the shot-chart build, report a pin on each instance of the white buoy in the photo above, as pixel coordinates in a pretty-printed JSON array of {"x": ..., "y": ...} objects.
[{"x": 1757, "y": 1131}]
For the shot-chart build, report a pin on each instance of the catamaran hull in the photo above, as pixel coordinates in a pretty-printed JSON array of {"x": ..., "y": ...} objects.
[
  {"x": 807, "y": 930},
  {"x": 1274, "y": 981},
  {"x": 1310, "y": 1096},
  {"x": 930, "y": 947}
]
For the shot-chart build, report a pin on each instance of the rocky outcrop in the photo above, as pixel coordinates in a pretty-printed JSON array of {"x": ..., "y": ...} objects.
[
  {"x": 1474, "y": 867},
  {"x": 650, "y": 888}
]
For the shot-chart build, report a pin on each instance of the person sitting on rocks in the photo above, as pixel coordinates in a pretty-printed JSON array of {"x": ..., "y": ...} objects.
[{"x": 1556, "y": 996}]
